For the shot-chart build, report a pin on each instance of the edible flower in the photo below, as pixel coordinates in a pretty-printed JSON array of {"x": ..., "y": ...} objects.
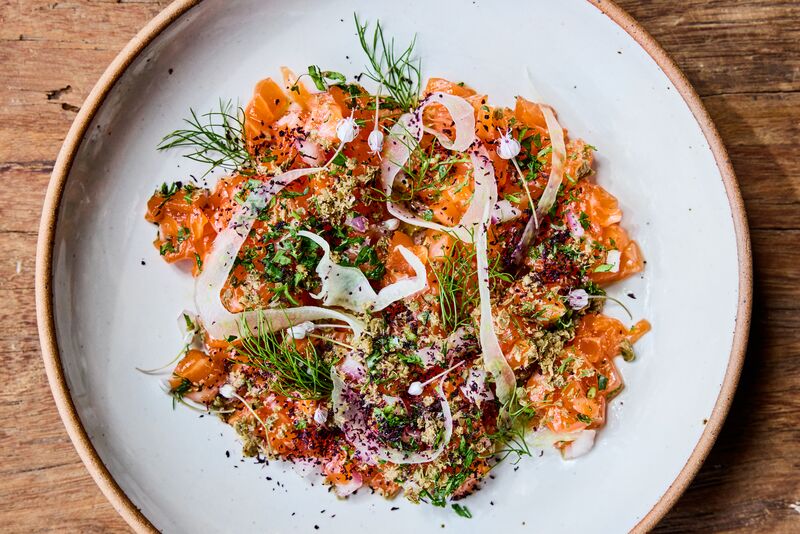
[
  {"x": 578, "y": 299},
  {"x": 375, "y": 141},
  {"x": 227, "y": 391},
  {"x": 509, "y": 147},
  {"x": 300, "y": 331},
  {"x": 347, "y": 129},
  {"x": 321, "y": 415}
]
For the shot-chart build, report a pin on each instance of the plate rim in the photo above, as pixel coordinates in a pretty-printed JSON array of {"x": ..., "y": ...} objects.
[{"x": 44, "y": 261}]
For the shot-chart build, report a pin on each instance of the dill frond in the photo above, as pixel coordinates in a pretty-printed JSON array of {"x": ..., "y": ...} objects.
[
  {"x": 295, "y": 374},
  {"x": 512, "y": 426},
  {"x": 215, "y": 138},
  {"x": 457, "y": 279},
  {"x": 180, "y": 390},
  {"x": 399, "y": 74}
]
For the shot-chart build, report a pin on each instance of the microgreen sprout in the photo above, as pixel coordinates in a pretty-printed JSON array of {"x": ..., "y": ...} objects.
[
  {"x": 508, "y": 149},
  {"x": 416, "y": 388},
  {"x": 579, "y": 299},
  {"x": 513, "y": 424},
  {"x": 347, "y": 129},
  {"x": 296, "y": 372},
  {"x": 375, "y": 139},
  {"x": 188, "y": 325}
]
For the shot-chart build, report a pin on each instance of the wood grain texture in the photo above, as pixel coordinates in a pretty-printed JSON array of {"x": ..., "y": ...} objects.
[{"x": 744, "y": 60}]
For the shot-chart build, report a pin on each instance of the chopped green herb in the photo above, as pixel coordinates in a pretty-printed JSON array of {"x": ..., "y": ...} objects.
[
  {"x": 603, "y": 268},
  {"x": 324, "y": 78},
  {"x": 602, "y": 382},
  {"x": 584, "y": 220},
  {"x": 183, "y": 234},
  {"x": 463, "y": 511},
  {"x": 340, "y": 160},
  {"x": 166, "y": 248}
]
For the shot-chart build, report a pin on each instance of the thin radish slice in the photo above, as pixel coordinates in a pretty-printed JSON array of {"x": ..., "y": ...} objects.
[
  {"x": 350, "y": 486},
  {"x": 576, "y": 443},
  {"x": 574, "y": 224},
  {"x": 349, "y": 288}
]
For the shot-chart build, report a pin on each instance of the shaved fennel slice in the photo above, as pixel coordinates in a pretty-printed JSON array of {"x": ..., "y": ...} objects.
[
  {"x": 221, "y": 324},
  {"x": 349, "y": 288},
  {"x": 559, "y": 155},
  {"x": 493, "y": 359},
  {"x": 463, "y": 115},
  {"x": 352, "y": 418},
  {"x": 407, "y": 132},
  {"x": 341, "y": 286},
  {"x": 504, "y": 211},
  {"x": 405, "y": 287},
  {"x": 217, "y": 320}
]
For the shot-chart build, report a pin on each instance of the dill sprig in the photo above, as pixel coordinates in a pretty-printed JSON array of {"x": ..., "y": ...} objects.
[
  {"x": 457, "y": 282},
  {"x": 178, "y": 392},
  {"x": 215, "y": 138},
  {"x": 512, "y": 426},
  {"x": 295, "y": 374},
  {"x": 399, "y": 74},
  {"x": 457, "y": 278}
]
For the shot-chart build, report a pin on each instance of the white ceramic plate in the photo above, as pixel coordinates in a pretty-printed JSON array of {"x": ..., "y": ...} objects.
[{"x": 108, "y": 303}]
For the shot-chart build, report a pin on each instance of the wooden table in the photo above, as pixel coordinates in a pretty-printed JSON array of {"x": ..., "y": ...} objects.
[{"x": 742, "y": 57}]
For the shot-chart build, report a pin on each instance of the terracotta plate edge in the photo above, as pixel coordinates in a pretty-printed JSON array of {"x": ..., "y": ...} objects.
[
  {"x": 44, "y": 252},
  {"x": 743, "y": 312},
  {"x": 44, "y": 263}
]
